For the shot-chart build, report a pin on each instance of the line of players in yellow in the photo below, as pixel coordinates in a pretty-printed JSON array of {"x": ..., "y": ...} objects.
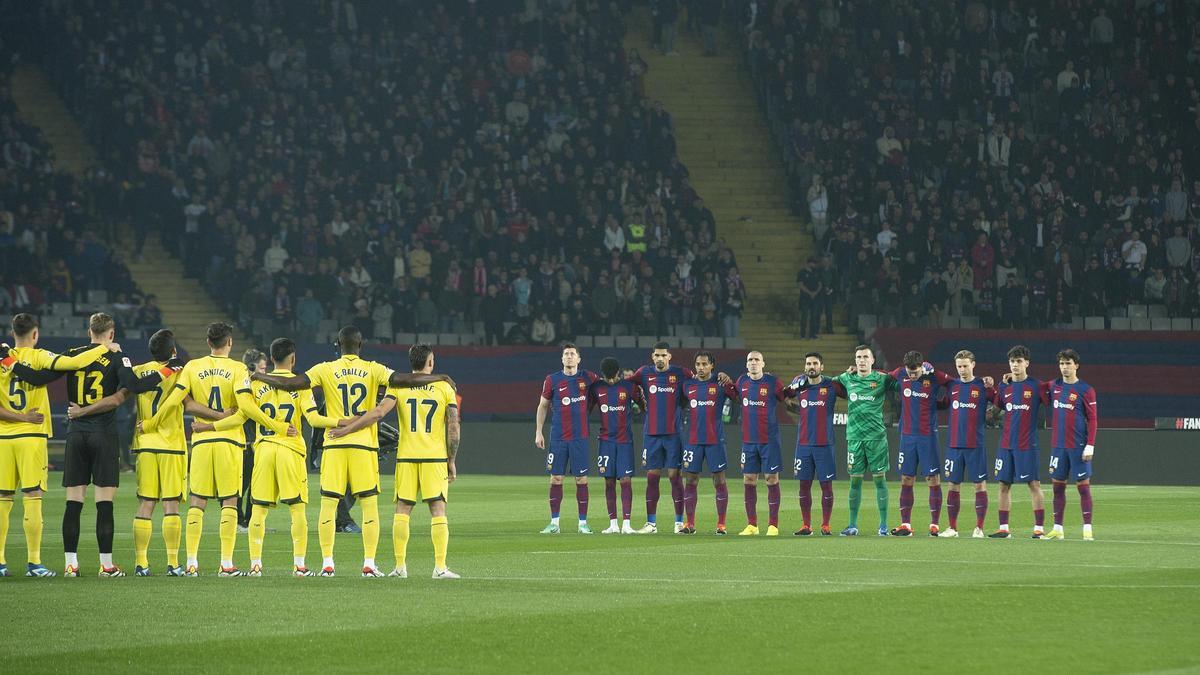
[{"x": 357, "y": 395}]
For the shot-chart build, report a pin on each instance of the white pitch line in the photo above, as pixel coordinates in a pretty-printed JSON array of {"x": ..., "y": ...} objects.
[
  {"x": 865, "y": 559},
  {"x": 809, "y": 582}
]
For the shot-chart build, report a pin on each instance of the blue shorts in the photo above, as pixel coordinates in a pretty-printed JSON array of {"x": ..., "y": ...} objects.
[
  {"x": 815, "y": 460},
  {"x": 662, "y": 452},
  {"x": 966, "y": 463},
  {"x": 615, "y": 460},
  {"x": 695, "y": 456},
  {"x": 1017, "y": 466},
  {"x": 1068, "y": 463},
  {"x": 561, "y": 451},
  {"x": 761, "y": 458},
  {"x": 918, "y": 450}
]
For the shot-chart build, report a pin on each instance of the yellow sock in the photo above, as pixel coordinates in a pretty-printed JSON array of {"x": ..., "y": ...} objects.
[
  {"x": 171, "y": 526},
  {"x": 142, "y": 529},
  {"x": 33, "y": 528},
  {"x": 326, "y": 525},
  {"x": 195, "y": 528},
  {"x": 258, "y": 528},
  {"x": 6, "y": 506},
  {"x": 229, "y": 516},
  {"x": 439, "y": 532},
  {"x": 370, "y": 526},
  {"x": 400, "y": 537},
  {"x": 299, "y": 531}
]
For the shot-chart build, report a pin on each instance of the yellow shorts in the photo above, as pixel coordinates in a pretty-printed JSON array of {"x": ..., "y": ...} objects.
[
  {"x": 352, "y": 469},
  {"x": 428, "y": 478},
  {"x": 23, "y": 463},
  {"x": 216, "y": 470},
  {"x": 161, "y": 474},
  {"x": 279, "y": 476}
]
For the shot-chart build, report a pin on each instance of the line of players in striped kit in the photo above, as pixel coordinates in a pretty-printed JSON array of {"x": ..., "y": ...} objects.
[{"x": 684, "y": 430}]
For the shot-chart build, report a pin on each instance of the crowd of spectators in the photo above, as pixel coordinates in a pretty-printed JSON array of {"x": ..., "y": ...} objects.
[
  {"x": 53, "y": 247},
  {"x": 405, "y": 166},
  {"x": 1027, "y": 162}
]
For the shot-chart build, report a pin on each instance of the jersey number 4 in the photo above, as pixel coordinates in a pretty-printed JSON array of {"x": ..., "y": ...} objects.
[{"x": 412, "y": 414}]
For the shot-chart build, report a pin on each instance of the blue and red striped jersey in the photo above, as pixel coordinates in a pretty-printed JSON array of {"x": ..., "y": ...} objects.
[
  {"x": 760, "y": 423},
  {"x": 568, "y": 404},
  {"x": 1020, "y": 402},
  {"x": 615, "y": 402},
  {"x": 661, "y": 390},
  {"x": 1073, "y": 419},
  {"x": 703, "y": 401},
  {"x": 918, "y": 401},
  {"x": 814, "y": 422},
  {"x": 968, "y": 412}
]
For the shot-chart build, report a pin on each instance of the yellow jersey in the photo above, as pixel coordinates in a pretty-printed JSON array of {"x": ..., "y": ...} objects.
[
  {"x": 351, "y": 386},
  {"x": 168, "y": 435},
  {"x": 421, "y": 413},
  {"x": 22, "y": 397},
  {"x": 284, "y": 408},
  {"x": 211, "y": 381}
]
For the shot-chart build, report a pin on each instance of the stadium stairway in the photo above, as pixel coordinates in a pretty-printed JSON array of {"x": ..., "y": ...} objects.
[
  {"x": 723, "y": 139},
  {"x": 186, "y": 306},
  {"x": 38, "y": 102}
]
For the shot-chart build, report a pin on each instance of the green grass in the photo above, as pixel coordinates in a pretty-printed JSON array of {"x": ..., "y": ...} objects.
[{"x": 1128, "y": 602}]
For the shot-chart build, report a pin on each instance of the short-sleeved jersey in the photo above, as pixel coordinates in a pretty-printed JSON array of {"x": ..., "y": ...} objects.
[
  {"x": 422, "y": 421},
  {"x": 661, "y": 389},
  {"x": 22, "y": 397},
  {"x": 351, "y": 386},
  {"x": 918, "y": 401},
  {"x": 287, "y": 406},
  {"x": 568, "y": 395},
  {"x": 213, "y": 381},
  {"x": 814, "y": 422},
  {"x": 93, "y": 382},
  {"x": 866, "y": 393},
  {"x": 760, "y": 422},
  {"x": 615, "y": 402},
  {"x": 1073, "y": 417},
  {"x": 703, "y": 401},
  {"x": 968, "y": 412},
  {"x": 1020, "y": 402},
  {"x": 168, "y": 435}
]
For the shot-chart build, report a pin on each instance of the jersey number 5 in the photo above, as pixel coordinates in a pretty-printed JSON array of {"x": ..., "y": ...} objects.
[{"x": 16, "y": 395}]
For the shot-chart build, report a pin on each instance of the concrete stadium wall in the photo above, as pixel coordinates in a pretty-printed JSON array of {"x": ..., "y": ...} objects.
[{"x": 1123, "y": 456}]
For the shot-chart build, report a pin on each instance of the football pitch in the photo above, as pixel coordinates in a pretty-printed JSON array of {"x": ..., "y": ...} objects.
[{"x": 1128, "y": 602}]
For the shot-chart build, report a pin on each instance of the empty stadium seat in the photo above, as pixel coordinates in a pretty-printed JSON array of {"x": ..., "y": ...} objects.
[
  {"x": 1138, "y": 312},
  {"x": 1119, "y": 323},
  {"x": 968, "y": 322},
  {"x": 405, "y": 338},
  {"x": 713, "y": 343},
  {"x": 1139, "y": 323},
  {"x": 427, "y": 338},
  {"x": 469, "y": 339},
  {"x": 1158, "y": 311},
  {"x": 1181, "y": 323},
  {"x": 950, "y": 321},
  {"x": 646, "y": 341},
  {"x": 691, "y": 343},
  {"x": 626, "y": 342},
  {"x": 450, "y": 339},
  {"x": 582, "y": 341},
  {"x": 735, "y": 343},
  {"x": 605, "y": 341},
  {"x": 1093, "y": 323},
  {"x": 1160, "y": 323}
]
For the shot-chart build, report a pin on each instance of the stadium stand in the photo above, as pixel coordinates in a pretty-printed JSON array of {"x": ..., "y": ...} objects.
[{"x": 382, "y": 169}]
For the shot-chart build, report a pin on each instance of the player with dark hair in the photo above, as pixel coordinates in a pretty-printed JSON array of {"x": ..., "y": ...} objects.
[
  {"x": 1018, "y": 456},
  {"x": 1073, "y": 423},
  {"x": 615, "y": 397},
  {"x": 816, "y": 396},
  {"x": 921, "y": 387},
  {"x": 256, "y": 362},
  {"x": 965, "y": 453},
  {"x": 703, "y": 399},
  {"x": 25, "y": 428},
  {"x": 661, "y": 445},
  {"x": 349, "y": 385},
  {"x": 564, "y": 398},
  {"x": 430, "y": 434}
]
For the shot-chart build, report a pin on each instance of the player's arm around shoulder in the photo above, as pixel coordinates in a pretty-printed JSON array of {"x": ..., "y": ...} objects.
[
  {"x": 372, "y": 416},
  {"x": 183, "y": 386},
  {"x": 83, "y": 359},
  {"x": 312, "y": 413}
]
